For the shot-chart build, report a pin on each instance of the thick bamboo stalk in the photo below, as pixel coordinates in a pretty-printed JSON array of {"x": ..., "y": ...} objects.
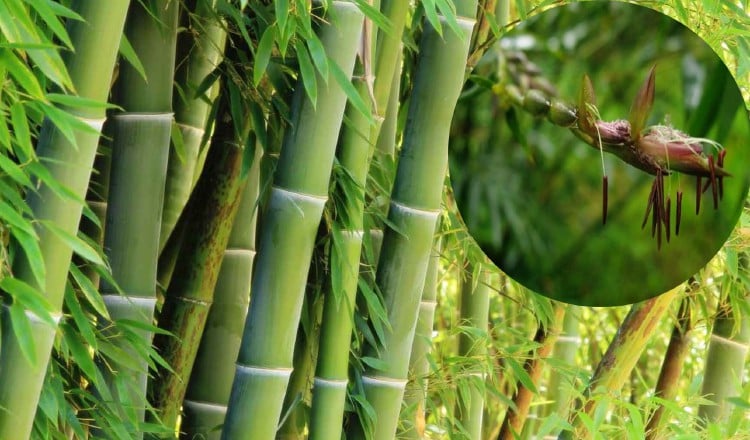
[
  {"x": 203, "y": 45},
  {"x": 331, "y": 370},
  {"x": 560, "y": 388},
  {"x": 96, "y": 40},
  {"x": 211, "y": 210},
  {"x": 671, "y": 369},
  {"x": 475, "y": 307},
  {"x": 415, "y": 395},
  {"x": 725, "y": 360},
  {"x": 207, "y": 394},
  {"x": 626, "y": 347},
  {"x": 515, "y": 417},
  {"x": 140, "y": 149},
  {"x": 415, "y": 205},
  {"x": 288, "y": 234}
]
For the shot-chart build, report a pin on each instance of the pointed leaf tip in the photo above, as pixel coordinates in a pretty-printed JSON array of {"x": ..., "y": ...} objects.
[
  {"x": 642, "y": 104},
  {"x": 586, "y": 119}
]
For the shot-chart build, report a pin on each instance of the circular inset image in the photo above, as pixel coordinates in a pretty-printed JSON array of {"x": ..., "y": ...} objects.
[{"x": 599, "y": 155}]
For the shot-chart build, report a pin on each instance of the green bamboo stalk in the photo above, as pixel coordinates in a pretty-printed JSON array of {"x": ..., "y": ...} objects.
[
  {"x": 96, "y": 40},
  {"x": 140, "y": 149},
  {"x": 623, "y": 352},
  {"x": 415, "y": 395},
  {"x": 207, "y": 394},
  {"x": 289, "y": 229},
  {"x": 559, "y": 390},
  {"x": 203, "y": 46},
  {"x": 515, "y": 417},
  {"x": 475, "y": 307},
  {"x": 331, "y": 370},
  {"x": 211, "y": 210},
  {"x": 671, "y": 369},
  {"x": 725, "y": 360},
  {"x": 414, "y": 208}
]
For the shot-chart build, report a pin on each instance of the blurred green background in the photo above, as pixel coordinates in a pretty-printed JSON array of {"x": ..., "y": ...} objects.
[{"x": 530, "y": 192}]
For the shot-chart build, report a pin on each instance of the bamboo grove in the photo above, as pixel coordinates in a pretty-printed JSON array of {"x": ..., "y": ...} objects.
[{"x": 234, "y": 219}]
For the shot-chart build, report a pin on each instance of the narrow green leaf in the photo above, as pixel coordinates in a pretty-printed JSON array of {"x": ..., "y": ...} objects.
[
  {"x": 344, "y": 81},
  {"x": 127, "y": 52},
  {"x": 28, "y": 298},
  {"x": 318, "y": 54},
  {"x": 263, "y": 54},
  {"x": 89, "y": 291},
  {"x": 22, "y": 331},
  {"x": 431, "y": 13},
  {"x": 79, "y": 102},
  {"x": 85, "y": 325},
  {"x": 282, "y": 12},
  {"x": 307, "y": 72},
  {"x": 80, "y": 247},
  {"x": 21, "y": 128},
  {"x": 49, "y": 16},
  {"x": 177, "y": 142},
  {"x": 33, "y": 253},
  {"x": 14, "y": 171},
  {"x": 78, "y": 350}
]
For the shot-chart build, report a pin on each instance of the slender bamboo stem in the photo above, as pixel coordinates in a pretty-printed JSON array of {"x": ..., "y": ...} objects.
[
  {"x": 419, "y": 365},
  {"x": 415, "y": 204},
  {"x": 188, "y": 300},
  {"x": 203, "y": 45},
  {"x": 515, "y": 417},
  {"x": 671, "y": 369},
  {"x": 725, "y": 360},
  {"x": 475, "y": 307},
  {"x": 140, "y": 149},
  {"x": 331, "y": 372},
  {"x": 615, "y": 366},
  {"x": 289, "y": 228},
  {"x": 96, "y": 40},
  {"x": 207, "y": 393}
]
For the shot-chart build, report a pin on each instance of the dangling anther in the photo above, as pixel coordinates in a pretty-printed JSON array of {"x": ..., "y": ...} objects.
[
  {"x": 720, "y": 179},
  {"x": 698, "y": 193},
  {"x": 678, "y": 213},
  {"x": 605, "y": 184},
  {"x": 651, "y": 198},
  {"x": 668, "y": 209},
  {"x": 714, "y": 188}
]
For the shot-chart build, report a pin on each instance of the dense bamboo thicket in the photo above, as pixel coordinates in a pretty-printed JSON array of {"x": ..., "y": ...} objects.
[{"x": 240, "y": 220}]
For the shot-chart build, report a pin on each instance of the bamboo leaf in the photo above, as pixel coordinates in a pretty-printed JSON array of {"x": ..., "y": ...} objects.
[
  {"x": 263, "y": 54},
  {"x": 89, "y": 291},
  {"x": 83, "y": 324},
  {"x": 29, "y": 298},
  {"x": 49, "y": 16},
  {"x": 22, "y": 331},
  {"x": 14, "y": 172},
  {"x": 30, "y": 244},
  {"x": 354, "y": 97},
  {"x": 79, "y": 101},
  {"x": 430, "y": 12},
  {"x": 80, "y": 247},
  {"x": 307, "y": 72},
  {"x": 282, "y": 12},
  {"x": 21, "y": 73},
  {"x": 78, "y": 350},
  {"x": 127, "y": 52},
  {"x": 21, "y": 128},
  {"x": 318, "y": 54}
]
